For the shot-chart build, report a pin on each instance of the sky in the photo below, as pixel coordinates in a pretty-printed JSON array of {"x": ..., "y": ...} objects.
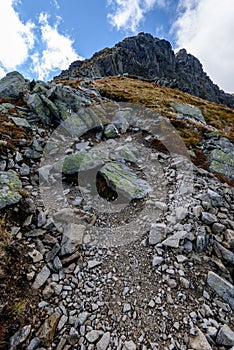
[{"x": 40, "y": 38}]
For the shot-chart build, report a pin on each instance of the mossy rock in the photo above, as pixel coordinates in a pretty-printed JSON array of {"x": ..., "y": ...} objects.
[
  {"x": 82, "y": 161},
  {"x": 123, "y": 180},
  {"x": 35, "y": 103},
  {"x": 9, "y": 184},
  {"x": 222, "y": 163},
  {"x": 8, "y": 197},
  {"x": 10, "y": 180}
]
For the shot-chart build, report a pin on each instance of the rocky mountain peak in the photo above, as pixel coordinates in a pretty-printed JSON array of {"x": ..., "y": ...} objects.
[{"x": 147, "y": 57}]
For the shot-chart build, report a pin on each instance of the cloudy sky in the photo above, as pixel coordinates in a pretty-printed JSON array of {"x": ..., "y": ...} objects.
[{"x": 39, "y": 38}]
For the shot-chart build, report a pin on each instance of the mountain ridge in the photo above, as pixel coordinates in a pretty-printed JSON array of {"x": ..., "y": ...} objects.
[{"x": 145, "y": 56}]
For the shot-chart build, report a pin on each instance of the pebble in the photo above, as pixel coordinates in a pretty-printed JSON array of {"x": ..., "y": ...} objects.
[
  {"x": 157, "y": 260},
  {"x": 93, "y": 336},
  {"x": 41, "y": 278}
]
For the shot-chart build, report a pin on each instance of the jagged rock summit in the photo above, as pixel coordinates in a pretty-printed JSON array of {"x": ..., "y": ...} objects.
[{"x": 151, "y": 58}]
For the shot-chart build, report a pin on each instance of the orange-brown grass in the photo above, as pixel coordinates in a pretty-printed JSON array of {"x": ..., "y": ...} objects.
[{"x": 10, "y": 133}]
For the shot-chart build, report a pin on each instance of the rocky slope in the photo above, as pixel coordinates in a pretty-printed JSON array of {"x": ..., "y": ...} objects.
[
  {"x": 151, "y": 58},
  {"x": 112, "y": 237}
]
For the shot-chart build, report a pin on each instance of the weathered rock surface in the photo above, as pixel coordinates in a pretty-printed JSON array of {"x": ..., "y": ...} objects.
[
  {"x": 222, "y": 287},
  {"x": 148, "y": 289},
  {"x": 199, "y": 341},
  {"x": 190, "y": 111},
  {"x": 9, "y": 184},
  {"x": 123, "y": 180},
  {"x": 48, "y": 328},
  {"x": 13, "y": 85},
  {"x": 225, "y": 336}
]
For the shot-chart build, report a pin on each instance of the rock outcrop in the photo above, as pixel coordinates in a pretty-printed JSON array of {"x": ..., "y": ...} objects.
[{"x": 151, "y": 58}]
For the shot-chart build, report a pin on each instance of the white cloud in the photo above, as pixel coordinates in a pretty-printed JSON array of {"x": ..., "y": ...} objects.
[
  {"x": 56, "y": 4},
  {"x": 205, "y": 28},
  {"x": 127, "y": 14},
  {"x": 16, "y": 37},
  {"x": 2, "y": 72},
  {"x": 58, "y": 52}
]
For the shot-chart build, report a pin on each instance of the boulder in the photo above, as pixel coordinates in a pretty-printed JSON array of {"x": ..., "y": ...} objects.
[
  {"x": 35, "y": 103},
  {"x": 225, "y": 336},
  {"x": 13, "y": 85},
  {"x": 189, "y": 111},
  {"x": 123, "y": 180},
  {"x": 222, "y": 162}
]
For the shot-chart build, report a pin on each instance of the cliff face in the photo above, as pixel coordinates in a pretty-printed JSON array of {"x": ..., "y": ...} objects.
[{"x": 151, "y": 58}]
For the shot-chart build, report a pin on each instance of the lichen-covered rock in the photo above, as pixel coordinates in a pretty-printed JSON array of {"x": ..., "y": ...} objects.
[
  {"x": 35, "y": 103},
  {"x": 9, "y": 184},
  {"x": 111, "y": 131},
  {"x": 13, "y": 85},
  {"x": 21, "y": 122},
  {"x": 123, "y": 180},
  {"x": 51, "y": 106},
  {"x": 222, "y": 163},
  {"x": 81, "y": 161},
  {"x": 5, "y": 106},
  {"x": 220, "y": 155},
  {"x": 189, "y": 111}
]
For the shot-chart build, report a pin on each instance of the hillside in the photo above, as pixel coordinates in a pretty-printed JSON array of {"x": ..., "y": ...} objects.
[{"x": 117, "y": 216}]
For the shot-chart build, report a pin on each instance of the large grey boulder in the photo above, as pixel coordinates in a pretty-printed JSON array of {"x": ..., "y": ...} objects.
[
  {"x": 190, "y": 111},
  {"x": 123, "y": 180},
  {"x": 13, "y": 85}
]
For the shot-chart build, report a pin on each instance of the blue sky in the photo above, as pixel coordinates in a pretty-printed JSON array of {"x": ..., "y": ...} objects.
[{"x": 39, "y": 38}]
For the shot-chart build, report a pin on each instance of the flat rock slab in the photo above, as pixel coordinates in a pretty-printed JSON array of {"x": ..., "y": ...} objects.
[
  {"x": 21, "y": 122},
  {"x": 47, "y": 330},
  {"x": 123, "y": 180},
  {"x": 189, "y": 111},
  {"x": 72, "y": 238},
  {"x": 82, "y": 161}
]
